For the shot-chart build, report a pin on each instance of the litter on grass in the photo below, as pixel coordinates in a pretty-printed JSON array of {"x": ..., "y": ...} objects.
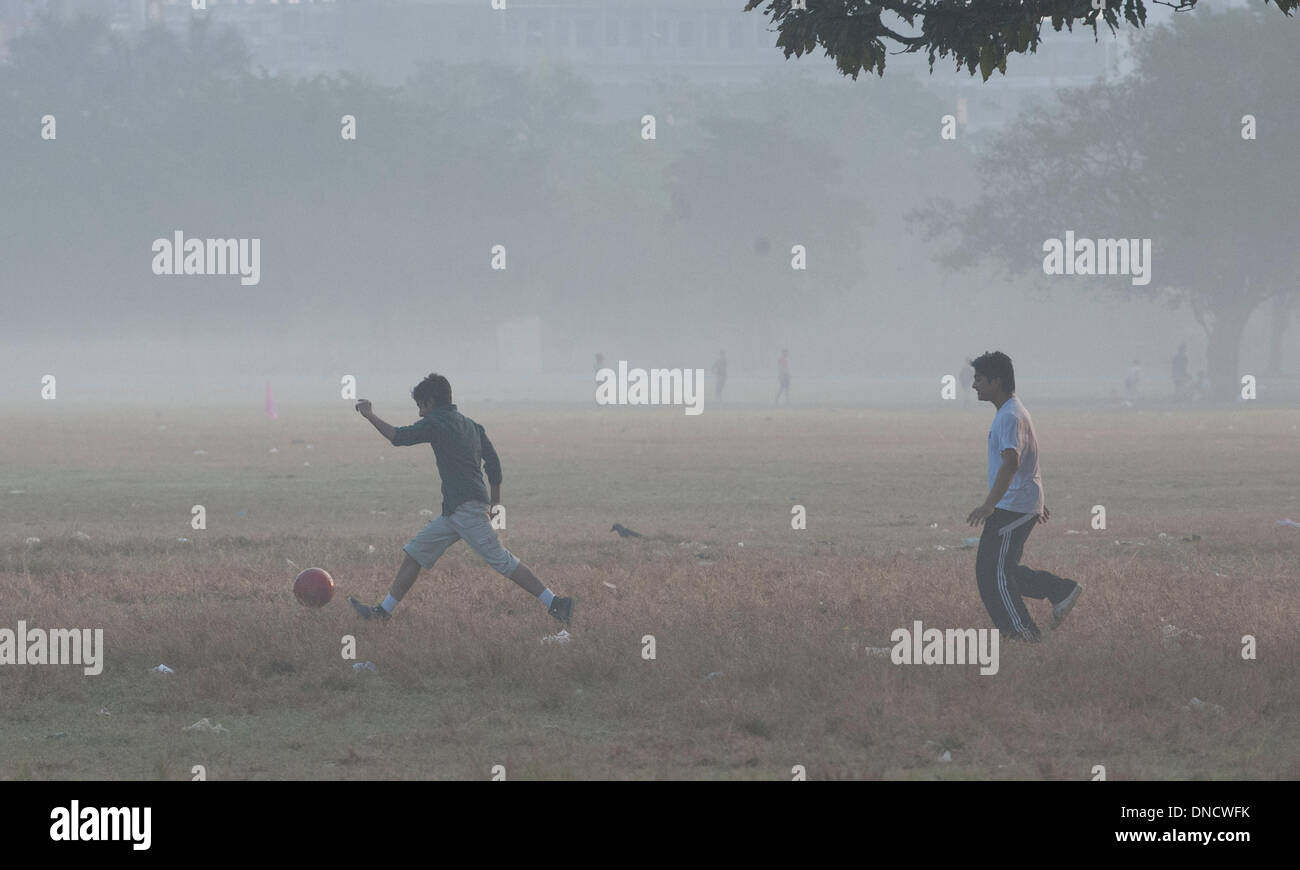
[
  {"x": 1203, "y": 706},
  {"x": 205, "y": 725}
]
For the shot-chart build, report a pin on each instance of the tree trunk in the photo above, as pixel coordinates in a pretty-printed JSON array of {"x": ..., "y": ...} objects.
[
  {"x": 1223, "y": 351},
  {"x": 1283, "y": 306}
]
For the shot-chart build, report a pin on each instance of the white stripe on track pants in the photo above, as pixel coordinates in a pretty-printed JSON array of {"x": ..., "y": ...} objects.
[{"x": 1002, "y": 580}]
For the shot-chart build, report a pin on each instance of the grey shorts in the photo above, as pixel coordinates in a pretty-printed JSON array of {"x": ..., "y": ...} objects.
[{"x": 469, "y": 521}]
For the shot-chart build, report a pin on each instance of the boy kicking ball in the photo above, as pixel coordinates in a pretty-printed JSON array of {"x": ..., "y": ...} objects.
[{"x": 462, "y": 452}]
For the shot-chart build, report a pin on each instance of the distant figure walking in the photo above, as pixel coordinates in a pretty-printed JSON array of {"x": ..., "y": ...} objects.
[
  {"x": 1131, "y": 378},
  {"x": 783, "y": 375},
  {"x": 1180, "y": 371},
  {"x": 720, "y": 374}
]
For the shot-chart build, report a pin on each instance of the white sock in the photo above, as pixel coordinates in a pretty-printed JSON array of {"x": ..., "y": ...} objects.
[
  {"x": 389, "y": 603},
  {"x": 547, "y": 597}
]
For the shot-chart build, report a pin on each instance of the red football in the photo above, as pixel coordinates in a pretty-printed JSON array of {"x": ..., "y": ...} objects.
[{"x": 314, "y": 587}]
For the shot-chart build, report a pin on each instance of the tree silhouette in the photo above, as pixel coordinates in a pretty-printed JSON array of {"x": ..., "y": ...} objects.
[
  {"x": 1158, "y": 155},
  {"x": 858, "y": 34}
]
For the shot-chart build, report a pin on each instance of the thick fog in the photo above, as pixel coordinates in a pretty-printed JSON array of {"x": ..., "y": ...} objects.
[{"x": 499, "y": 195}]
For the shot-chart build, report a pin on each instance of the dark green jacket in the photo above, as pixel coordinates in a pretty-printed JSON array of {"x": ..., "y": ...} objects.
[{"x": 462, "y": 451}]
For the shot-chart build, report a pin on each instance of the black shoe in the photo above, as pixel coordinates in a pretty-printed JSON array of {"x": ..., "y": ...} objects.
[
  {"x": 1063, "y": 607},
  {"x": 561, "y": 609},
  {"x": 365, "y": 611}
]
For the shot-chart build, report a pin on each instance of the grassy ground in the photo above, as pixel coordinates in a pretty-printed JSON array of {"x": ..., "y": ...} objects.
[{"x": 759, "y": 648}]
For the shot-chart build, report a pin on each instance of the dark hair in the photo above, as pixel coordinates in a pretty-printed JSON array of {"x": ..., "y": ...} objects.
[
  {"x": 436, "y": 388},
  {"x": 996, "y": 364}
]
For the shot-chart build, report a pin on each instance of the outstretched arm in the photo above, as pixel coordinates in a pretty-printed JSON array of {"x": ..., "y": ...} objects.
[
  {"x": 363, "y": 408},
  {"x": 1001, "y": 483}
]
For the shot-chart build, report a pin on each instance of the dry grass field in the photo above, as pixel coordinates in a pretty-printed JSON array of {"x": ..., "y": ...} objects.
[{"x": 759, "y": 629}]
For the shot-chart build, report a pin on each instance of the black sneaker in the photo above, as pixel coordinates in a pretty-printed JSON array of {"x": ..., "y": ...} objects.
[
  {"x": 365, "y": 611},
  {"x": 1063, "y": 607},
  {"x": 561, "y": 609}
]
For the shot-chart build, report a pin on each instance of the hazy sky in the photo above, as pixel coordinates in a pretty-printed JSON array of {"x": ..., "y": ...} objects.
[{"x": 377, "y": 260}]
